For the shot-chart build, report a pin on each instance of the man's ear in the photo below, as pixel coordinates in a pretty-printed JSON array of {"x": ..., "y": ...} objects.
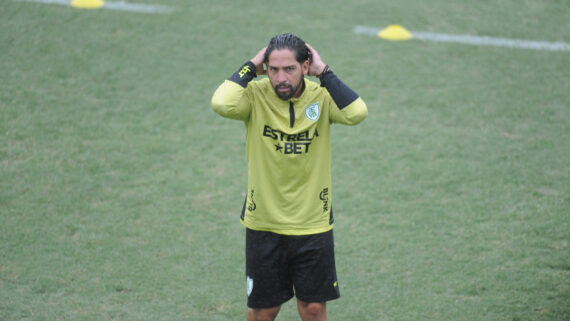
[{"x": 306, "y": 65}]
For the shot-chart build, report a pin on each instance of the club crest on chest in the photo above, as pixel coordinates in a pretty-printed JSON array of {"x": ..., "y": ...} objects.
[{"x": 313, "y": 112}]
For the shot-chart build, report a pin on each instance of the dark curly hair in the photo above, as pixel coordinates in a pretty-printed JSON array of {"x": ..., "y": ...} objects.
[{"x": 291, "y": 42}]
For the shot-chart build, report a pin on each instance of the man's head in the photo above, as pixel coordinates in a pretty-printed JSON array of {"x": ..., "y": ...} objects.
[
  {"x": 291, "y": 42},
  {"x": 287, "y": 60}
]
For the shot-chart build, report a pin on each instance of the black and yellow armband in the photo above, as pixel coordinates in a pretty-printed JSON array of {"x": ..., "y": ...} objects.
[{"x": 244, "y": 75}]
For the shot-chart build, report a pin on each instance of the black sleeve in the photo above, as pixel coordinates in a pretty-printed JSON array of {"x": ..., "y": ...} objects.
[
  {"x": 340, "y": 93},
  {"x": 244, "y": 75}
]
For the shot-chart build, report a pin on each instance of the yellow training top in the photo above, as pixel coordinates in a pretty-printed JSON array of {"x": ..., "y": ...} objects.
[{"x": 288, "y": 149}]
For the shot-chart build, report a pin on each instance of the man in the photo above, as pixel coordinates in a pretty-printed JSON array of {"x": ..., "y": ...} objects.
[{"x": 288, "y": 208}]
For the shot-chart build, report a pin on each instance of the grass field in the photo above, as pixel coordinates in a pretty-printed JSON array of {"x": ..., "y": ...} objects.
[{"x": 120, "y": 189}]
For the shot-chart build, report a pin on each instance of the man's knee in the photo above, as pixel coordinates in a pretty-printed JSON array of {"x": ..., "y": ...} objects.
[
  {"x": 312, "y": 310},
  {"x": 262, "y": 314}
]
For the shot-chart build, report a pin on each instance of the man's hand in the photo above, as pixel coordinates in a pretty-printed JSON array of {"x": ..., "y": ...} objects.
[
  {"x": 258, "y": 62},
  {"x": 317, "y": 65}
]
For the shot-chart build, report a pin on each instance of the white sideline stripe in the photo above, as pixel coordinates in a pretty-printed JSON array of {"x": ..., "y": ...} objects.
[
  {"x": 476, "y": 40},
  {"x": 124, "y": 6},
  {"x": 147, "y": 8},
  {"x": 361, "y": 30}
]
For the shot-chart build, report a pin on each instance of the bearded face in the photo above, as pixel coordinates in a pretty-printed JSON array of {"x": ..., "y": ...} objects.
[
  {"x": 286, "y": 90},
  {"x": 286, "y": 73}
]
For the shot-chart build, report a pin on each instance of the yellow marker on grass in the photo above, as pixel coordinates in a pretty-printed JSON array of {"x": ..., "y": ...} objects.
[
  {"x": 87, "y": 4},
  {"x": 395, "y": 32}
]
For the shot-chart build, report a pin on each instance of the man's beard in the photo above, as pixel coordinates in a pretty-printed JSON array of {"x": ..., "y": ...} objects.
[{"x": 286, "y": 95}]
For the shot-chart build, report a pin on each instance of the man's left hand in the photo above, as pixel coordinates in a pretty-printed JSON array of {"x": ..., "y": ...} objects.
[{"x": 317, "y": 65}]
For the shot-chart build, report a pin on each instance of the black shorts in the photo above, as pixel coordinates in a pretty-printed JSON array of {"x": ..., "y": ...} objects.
[{"x": 280, "y": 266}]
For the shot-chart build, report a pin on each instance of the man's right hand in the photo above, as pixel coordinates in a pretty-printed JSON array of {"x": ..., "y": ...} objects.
[{"x": 258, "y": 62}]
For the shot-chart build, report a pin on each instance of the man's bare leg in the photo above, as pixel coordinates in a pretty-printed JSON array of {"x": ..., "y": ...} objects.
[
  {"x": 312, "y": 311},
  {"x": 262, "y": 314}
]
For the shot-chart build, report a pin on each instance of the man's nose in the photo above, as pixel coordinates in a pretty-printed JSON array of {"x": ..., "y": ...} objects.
[{"x": 281, "y": 76}]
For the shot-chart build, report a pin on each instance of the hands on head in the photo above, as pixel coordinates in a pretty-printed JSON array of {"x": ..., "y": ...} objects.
[
  {"x": 258, "y": 62},
  {"x": 316, "y": 67}
]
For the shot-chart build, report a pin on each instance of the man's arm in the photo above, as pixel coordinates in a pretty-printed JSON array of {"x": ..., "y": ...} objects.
[
  {"x": 351, "y": 108},
  {"x": 229, "y": 99}
]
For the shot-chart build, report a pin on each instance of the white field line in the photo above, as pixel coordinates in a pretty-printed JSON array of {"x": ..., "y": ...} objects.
[
  {"x": 137, "y": 7},
  {"x": 476, "y": 40},
  {"x": 121, "y": 5}
]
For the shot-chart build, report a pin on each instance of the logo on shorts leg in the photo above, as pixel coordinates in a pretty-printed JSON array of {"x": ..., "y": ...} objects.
[{"x": 249, "y": 282}]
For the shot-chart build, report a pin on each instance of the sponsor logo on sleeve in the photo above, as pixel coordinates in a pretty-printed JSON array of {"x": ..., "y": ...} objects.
[{"x": 244, "y": 71}]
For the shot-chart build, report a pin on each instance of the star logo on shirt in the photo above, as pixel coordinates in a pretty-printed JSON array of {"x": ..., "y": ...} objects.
[{"x": 278, "y": 148}]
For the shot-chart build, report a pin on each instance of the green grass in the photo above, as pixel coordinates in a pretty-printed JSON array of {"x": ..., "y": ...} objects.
[{"x": 120, "y": 190}]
